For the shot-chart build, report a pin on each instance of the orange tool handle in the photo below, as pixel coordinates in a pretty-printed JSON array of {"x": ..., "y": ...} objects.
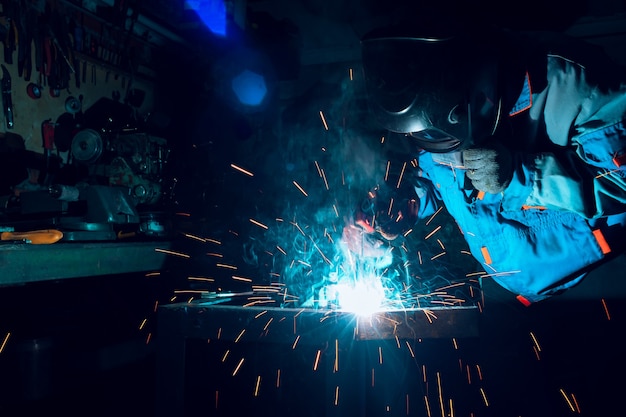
[{"x": 36, "y": 237}]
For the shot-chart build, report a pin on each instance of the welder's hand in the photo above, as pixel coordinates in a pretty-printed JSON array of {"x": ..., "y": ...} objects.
[
  {"x": 490, "y": 169},
  {"x": 362, "y": 243}
]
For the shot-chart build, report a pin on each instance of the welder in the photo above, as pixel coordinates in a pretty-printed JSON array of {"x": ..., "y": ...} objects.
[{"x": 520, "y": 135}]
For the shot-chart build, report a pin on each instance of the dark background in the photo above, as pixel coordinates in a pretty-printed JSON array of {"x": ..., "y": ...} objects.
[{"x": 78, "y": 347}]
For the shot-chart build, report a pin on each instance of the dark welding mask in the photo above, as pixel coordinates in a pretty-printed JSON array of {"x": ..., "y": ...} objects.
[{"x": 440, "y": 89}]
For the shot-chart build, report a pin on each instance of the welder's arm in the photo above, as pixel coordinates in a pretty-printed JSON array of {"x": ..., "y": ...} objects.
[{"x": 565, "y": 182}]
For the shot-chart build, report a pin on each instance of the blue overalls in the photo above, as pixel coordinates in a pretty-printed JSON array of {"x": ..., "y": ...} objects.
[{"x": 557, "y": 218}]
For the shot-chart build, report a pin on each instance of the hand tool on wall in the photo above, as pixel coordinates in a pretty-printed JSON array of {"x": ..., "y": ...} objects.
[
  {"x": 7, "y": 102},
  {"x": 36, "y": 237},
  {"x": 47, "y": 135},
  {"x": 11, "y": 38}
]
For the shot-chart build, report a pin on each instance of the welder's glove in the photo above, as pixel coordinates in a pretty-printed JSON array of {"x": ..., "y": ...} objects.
[{"x": 490, "y": 168}]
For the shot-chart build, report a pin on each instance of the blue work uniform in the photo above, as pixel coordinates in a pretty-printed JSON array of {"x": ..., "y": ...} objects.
[{"x": 564, "y": 209}]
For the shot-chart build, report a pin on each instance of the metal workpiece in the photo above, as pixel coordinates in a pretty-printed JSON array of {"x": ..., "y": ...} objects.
[{"x": 283, "y": 325}]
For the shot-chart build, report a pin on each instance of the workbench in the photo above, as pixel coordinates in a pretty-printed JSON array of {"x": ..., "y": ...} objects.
[
  {"x": 229, "y": 359},
  {"x": 23, "y": 263}
]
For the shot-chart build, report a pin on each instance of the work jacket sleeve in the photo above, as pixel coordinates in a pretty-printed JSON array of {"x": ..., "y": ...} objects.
[{"x": 586, "y": 173}]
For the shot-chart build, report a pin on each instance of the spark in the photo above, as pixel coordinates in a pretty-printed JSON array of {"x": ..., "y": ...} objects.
[
  {"x": 497, "y": 274},
  {"x": 215, "y": 241},
  {"x": 373, "y": 377},
  {"x": 191, "y": 291},
  {"x": 606, "y": 309},
  {"x": 430, "y": 219},
  {"x": 458, "y": 284},
  {"x": 432, "y": 233},
  {"x": 295, "y": 342},
  {"x": 242, "y": 170},
  {"x": 408, "y": 345},
  {"x": 325, "y": 180},
  {"x": 300, "y": 188},
  {"x": 278, "y": 378},
  {"x": 337, "y": 395},
  {"x": 317, "y": 166},
  {"x": 532, "y": 335},
  {"x": 152, "y": 274},
  {"x": 215, "y": 255},
  {"x": 380, "y": 355},
  {"x": 469, "y": 374},
  {"x": 171, "y": 252},
  {"x": 143, "y": 323},
  {"x": 569, "y": 403},
  {"x": 183, "y": 214},
  {"x": 454, "y": 342},
  {"x": 268, "y": 323},
  {"x": 217, "y": 395},
  {"x": 323, "y": 120},
  {"x": 438, "y": 256},
  {"x": 430, "y": 314},
  {"x": 226, "y": 353},
  {"x": 201, "y": 279},
  {"x": 240, "y": 335},
  {"x": 440, "y": 394},
  {"x": 480, "y": 372},
  {"x": 258, "y": 383},
  {"x": 387, "y": 170},
  {"x": 258, "y": 224},
  {"x": 336, "y": 366},
  {"x": 156, "y": 306},
  {"x": 426, "y": 403},
  {"x": 260, "y": 314},
  {"x": 607, "y": 173},
  {"x": 281, "y": 250},
  {"x": 4, "y": 342},
  {"x": 190, "y": 236},
  {"x": 236, "y": 278},
  {"x": 238, "y": 366},
  {"x": 441, "y": 244},
  {"x": 317, "y": 359},
  {"x": 351, "y": 74},
  {"x": 401, "y": 175},
  {"x": 576, "y": 403},
  {"x": 148, "y": 338},
  {"x": 482, "y": 393}
]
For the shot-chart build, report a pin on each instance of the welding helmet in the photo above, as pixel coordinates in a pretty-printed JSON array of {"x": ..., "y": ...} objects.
[{"x": 438, "y": 85}]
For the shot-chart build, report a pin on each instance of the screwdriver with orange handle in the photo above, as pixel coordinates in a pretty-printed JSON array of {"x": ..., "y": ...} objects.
[{"x": 36, "y": 237}]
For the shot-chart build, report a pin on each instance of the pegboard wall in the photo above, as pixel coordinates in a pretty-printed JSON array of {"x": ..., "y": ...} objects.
[{"x": 74, "y": 53}]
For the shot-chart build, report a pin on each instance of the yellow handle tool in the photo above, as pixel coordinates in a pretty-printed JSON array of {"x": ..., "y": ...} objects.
[{"x": 36, "y": 237}]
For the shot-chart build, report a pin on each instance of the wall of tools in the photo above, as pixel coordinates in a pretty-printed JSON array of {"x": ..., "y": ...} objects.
[{"x": 58, "y": 58}]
